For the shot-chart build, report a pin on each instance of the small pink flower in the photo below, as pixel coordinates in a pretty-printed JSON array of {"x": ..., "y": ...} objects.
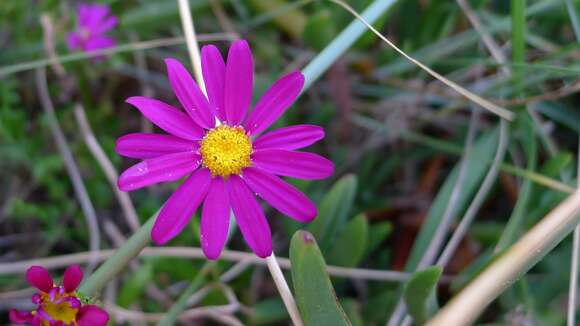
[
  {"x": 58, "y": 305},
  {"x": 222, "y": 151},
  {"x": 93, "y": 22}
]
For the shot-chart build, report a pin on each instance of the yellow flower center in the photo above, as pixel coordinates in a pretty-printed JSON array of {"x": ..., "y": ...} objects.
[
  {"x": 226, "y": 150},
  {"x": 61, "y": 311}
]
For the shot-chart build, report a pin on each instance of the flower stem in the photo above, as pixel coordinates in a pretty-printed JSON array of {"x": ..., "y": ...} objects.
[
  {"x": 181, "y": 303},
  {"x": 284, "y": 290},
  {"x": 191, "y": 40},
  {"x": 119, "y": 260}
]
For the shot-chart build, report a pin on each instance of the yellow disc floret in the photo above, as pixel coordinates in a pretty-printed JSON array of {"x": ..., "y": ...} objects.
[
  {"x": 59, "y": 308},
  {"x": 226, "y": 150}
]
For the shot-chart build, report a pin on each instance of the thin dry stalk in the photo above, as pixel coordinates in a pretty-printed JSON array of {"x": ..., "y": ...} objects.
[
  {"x": 110, "y": 172},
  {"x": 503, "y": 113},
  {"x": 448, "y": 216},
  {"x": 469, "y": 216},
  {"x": 72, "y": 169},
  {"x": 197, "y": 253},
  {"x": 486, "y": 38}
]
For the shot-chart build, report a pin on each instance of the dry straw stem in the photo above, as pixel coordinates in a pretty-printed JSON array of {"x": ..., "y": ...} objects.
[
  {"x": 191, "y": 41},
  {"x": 285, "y": 293},
  {"x": 517, "y": 260},
  {"x": 500, "y": 111},
  {"x": 71, "y": 167}
]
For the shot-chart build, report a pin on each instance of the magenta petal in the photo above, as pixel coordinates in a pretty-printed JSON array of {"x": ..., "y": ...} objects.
[
  {"x": 99, "y": 42},
  {"x": 106, "y": 25},
  {"x": 189, "y": 94},
  {"x": 290, "y": 138},
  {"x": 167, "y": 117},
  {"x": 239, "y": 82},
  {"x": 91, "y": 315},
  {"x": 39, "y": 277},
  {"x": 274, "y": 102},
  {"x": 299, "y": 165},
  {"x": 281, "y": 195},
  {"x": 215, "y": 219},
  {"x": 84, "y": 13},
  {"x": 95, "y": 13},
  {"x": 73, "y": 276},
  {"x": 73, "y": 41},
  {"x": 143, "y": 146},
  {"x": 164, "y": 168},
  {"x": 250, "y": 217},
  {"x": 20, "y": 317},
  {"x": 214, "y": 73},
  {"x": 180, "y": 207}
]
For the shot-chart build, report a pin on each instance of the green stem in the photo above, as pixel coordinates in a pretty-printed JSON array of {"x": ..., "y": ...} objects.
[
  {"x": 119, "y": 260},
  {"x": 181, "y": 303},
  {"x": 518, "y": 13}
]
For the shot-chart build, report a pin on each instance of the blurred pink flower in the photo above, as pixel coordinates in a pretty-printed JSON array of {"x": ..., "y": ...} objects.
[
  {"x": 229, "y": 162},
  {"x": 58, "y": 305},
  {"x": 93, "y": 22}
]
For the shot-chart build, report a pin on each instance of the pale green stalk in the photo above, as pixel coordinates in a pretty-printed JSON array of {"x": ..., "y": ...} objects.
[{"x": 119, "y": 261}]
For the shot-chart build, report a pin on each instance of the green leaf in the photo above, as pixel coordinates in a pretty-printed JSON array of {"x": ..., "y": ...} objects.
[
  {"x": 315, "y": 295},
  {"x": 268, "y": 311},
  {"x": 420, "y": 294},
  {"x": 334, "y": 211},
  {"x": 351, "y": 243},
  {"x": 378, "y": 232},
  {"x": 319, "y": 30},
  {"x": 352, "y": 309},
  {"x": 133, "y": 288}
]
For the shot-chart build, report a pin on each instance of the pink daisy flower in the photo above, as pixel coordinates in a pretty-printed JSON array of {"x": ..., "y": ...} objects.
[
  {"x": 219, "y": 145},
  {"x": 93, "y": 22},
  {"x": 58, "y": 305}
]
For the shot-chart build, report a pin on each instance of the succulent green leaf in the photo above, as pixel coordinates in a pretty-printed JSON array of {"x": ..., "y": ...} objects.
[
  {"x": 319, "y": 30},
  {"x": 420, "y": 294},
  {"x": 351, "y": 243},
  {"x": 314, "y": 293},
  {"x": 333, "y": 211}
]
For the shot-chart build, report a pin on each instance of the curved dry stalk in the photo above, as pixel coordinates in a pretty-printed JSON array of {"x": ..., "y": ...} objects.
[
  {"x": 464, "y": 308},
  {"x": 448, "y": 215},
  {"x": 486, "y": 37},
  {"x": 500, "y": 111},
  {"x": 107, "y": 167},
  {"x": 71, "y": 168},
  {"x": 478, "y": 199}
]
